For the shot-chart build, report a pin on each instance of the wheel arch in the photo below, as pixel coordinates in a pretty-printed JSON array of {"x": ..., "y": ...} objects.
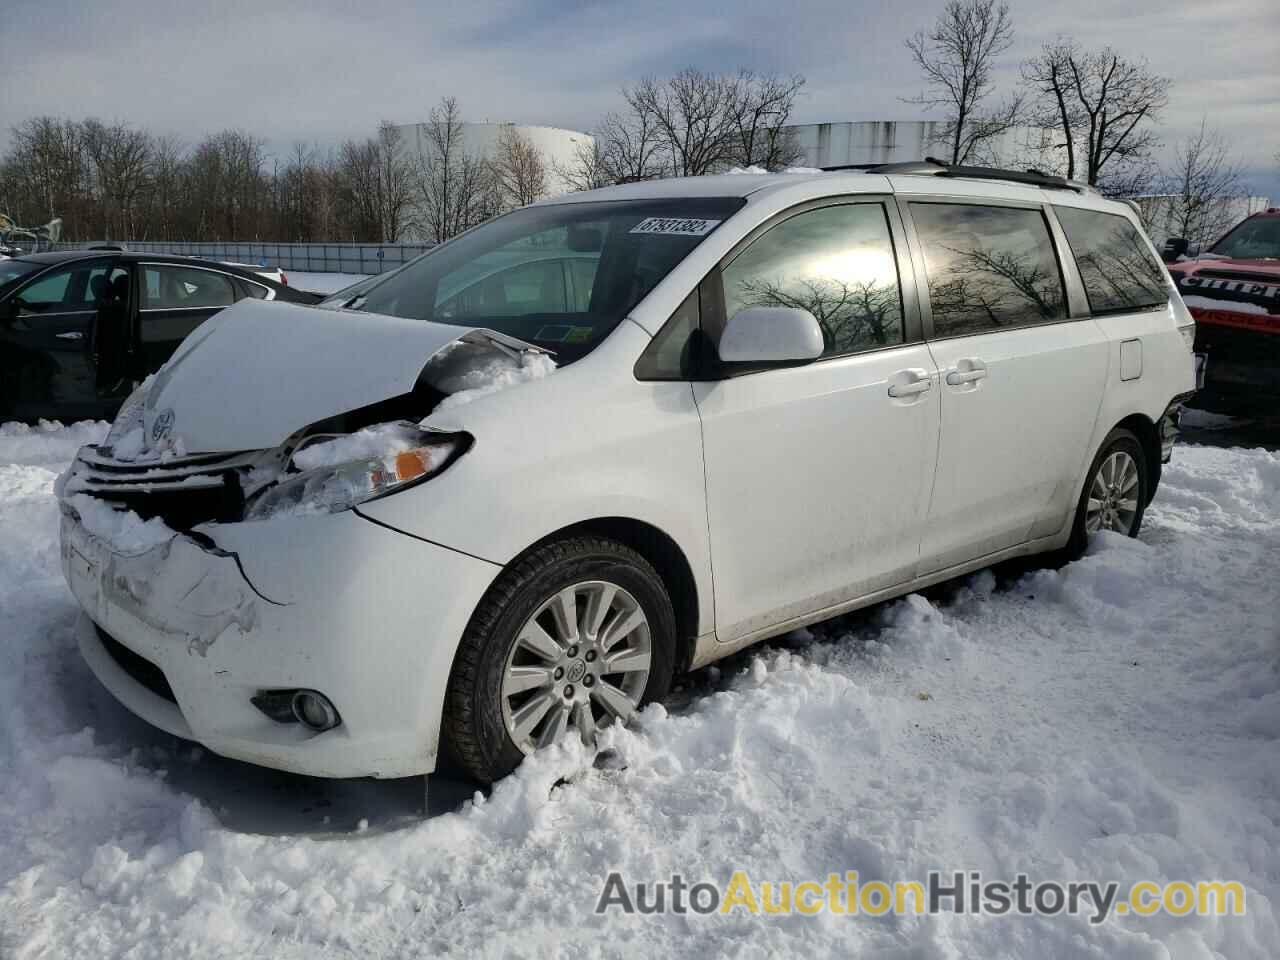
[
  {"x": 667, "y": 558},
  {"x": 1148, "y": 436}
]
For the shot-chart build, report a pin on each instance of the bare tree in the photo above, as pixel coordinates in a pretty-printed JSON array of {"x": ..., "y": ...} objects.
[
  {"x": 168, "y": 157},
  {"x": 1201, "y": 180},
  {"x": 1103, "y": 106},
  {"x": 519, "y": 169},
  {"x": 119, "y": 157},
  {"x": 630, "y": 147},
  {"x": 587, "y": 168},
  {"x": 47, "y": 174},
  {"x": 455, "y": 188},
  {"x": 395, "y": 183},
  {"x": 358, "y": 189},
  {"x": 761, "y": 107},
  {"x": 958, "y": 57},
  {"x": 226, "y": 186},
  {"x": 694, "y": 114}
]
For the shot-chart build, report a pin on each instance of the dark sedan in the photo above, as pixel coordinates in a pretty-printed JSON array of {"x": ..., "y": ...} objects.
[{"x": 79, "y": 327}]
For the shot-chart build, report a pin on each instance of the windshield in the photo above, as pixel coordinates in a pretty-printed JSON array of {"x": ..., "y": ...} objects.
[
  {"x": 347, "y": 295},
  {"x": 1257, "y": 238},
  {"x": 11, "y": 270},
  {"x": 560, "y": 276}
]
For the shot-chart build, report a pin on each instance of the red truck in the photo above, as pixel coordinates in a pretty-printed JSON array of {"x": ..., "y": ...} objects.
[{"x": 1233, "y": 291}]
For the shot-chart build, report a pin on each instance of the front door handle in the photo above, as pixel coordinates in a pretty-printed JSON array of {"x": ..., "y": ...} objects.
[
  {"x": 968, "y": 370},
  {"x": 957, "y": 377},
  {"x": 71, "y": 335},
  {"x": 919, "y": 383}
]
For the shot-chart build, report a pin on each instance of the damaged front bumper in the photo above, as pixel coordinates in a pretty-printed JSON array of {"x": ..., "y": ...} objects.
[{"x": 192, "y": 628}]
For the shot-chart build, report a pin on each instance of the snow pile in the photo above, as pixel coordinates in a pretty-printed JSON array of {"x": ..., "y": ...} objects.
[
  {"x": 323, "y": 283},
  {"x": 48, "y": 443},
  {"x": 496, "y": 371},
  {"x": 124, "y": 530},
  {"x": 1231, "y": 306},
  {"x": 1118, "y": 719},
  {"x": 756, "y": 170},
  {"x": 132, "y": 447},
  {"x": 382, "y": 440}
]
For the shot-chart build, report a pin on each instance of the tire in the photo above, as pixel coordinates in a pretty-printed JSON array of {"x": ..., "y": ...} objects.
[
  {"x": 1118, "y": 442},
  {"x": 480, "y": 712}
]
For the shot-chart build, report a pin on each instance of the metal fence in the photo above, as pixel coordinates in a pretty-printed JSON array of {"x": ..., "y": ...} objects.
[{"x": 303, "y": 257}]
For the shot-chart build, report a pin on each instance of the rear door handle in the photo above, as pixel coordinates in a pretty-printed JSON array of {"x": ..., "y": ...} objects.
[
  {"x": 919, "y": 384},
  {"x": 968, "y": 370},
  {"x": 72, "y": 335}
]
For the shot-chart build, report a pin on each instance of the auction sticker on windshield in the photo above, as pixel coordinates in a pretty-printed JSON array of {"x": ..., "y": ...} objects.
[{"x": 681, "y": 226}]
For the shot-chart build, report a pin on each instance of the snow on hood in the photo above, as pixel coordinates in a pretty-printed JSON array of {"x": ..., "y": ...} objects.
[
  {"x": 261, "y": 370},
  {"x": 465, "y": 378}
]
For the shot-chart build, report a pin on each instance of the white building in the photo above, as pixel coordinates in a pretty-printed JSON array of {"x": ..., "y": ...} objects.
[
  {"x": 558, "y": 147},
  {"x": 899, "y": 141}
]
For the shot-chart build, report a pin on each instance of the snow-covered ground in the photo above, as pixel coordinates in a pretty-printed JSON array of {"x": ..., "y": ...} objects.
[
  {"x": 1118, "y": 719},
  {"x": 325, "y": 283}
]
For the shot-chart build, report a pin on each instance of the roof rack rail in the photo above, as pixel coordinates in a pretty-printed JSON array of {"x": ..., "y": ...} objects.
[
  {"x": 933, "y": 167},
  {"x": 851, "y": 166}
]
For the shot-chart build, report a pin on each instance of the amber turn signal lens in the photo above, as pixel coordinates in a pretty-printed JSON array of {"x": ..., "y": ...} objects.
[{"x": 411, "y": 464}]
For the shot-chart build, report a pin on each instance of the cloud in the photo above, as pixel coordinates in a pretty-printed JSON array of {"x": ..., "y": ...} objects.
[{"x": 326, "y": 70}]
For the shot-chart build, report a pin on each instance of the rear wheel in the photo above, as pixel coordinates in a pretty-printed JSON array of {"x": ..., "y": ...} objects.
[
  {"x": 576, "y": 635},
  {"x": 1115, "y": 491}
]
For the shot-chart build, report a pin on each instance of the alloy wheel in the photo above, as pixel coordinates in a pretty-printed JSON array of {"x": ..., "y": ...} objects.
[
  {"x": 1113, "y": 495},
  {"x": 581, "y": 661}
]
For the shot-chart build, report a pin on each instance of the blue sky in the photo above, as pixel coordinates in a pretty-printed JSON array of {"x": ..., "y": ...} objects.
[{"x": 325, "y": 70}]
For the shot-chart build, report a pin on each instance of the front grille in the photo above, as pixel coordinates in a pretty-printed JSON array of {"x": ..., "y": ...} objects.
[
  {"x": 183, "y": 492},
  {"x": 138, "y": 667}
]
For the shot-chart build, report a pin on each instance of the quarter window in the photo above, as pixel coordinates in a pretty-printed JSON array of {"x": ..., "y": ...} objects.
[
  {"x": 1117, "y": 268},
  {"x": 836, "y": 262},
  {"x": 988, "y": 267},
  {"x": 176, "y": 288}
]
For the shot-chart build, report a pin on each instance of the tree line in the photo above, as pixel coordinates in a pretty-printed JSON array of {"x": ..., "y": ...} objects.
[
  {"x": 1099, "y": 111},
  {"x": 118, "y": 182}
]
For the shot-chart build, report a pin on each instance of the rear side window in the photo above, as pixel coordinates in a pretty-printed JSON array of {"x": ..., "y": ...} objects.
[
  {"x": 836, "y": 262},
  {"x": 1117, "y": 268},
  {"x": 989, "y": 268},
  {"x": 177, "y": 288}
]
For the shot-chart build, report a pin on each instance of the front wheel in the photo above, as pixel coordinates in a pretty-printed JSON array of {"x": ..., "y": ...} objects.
[
  {"x": 576, "y": 635},
  {"x": 1115, "y": 491}
]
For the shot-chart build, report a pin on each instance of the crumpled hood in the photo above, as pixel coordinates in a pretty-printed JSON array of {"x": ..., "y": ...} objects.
[{"x": 261, "y": 370}]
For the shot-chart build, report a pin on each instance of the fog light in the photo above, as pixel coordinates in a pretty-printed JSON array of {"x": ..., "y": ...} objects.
[
  {"x": 314, "y": 710},
  {"x": 310, "y": 708}
]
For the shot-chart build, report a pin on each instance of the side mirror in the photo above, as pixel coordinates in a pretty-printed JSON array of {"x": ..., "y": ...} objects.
[
  {"x": 1174, "y": 248},
  {"x": 771, "y": 335}
]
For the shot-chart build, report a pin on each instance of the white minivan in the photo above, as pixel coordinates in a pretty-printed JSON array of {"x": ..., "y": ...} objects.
[{"x": 505, "y": 493}]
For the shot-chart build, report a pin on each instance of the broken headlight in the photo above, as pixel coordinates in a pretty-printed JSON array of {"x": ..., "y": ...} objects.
[{"x": 340, "y": 472}]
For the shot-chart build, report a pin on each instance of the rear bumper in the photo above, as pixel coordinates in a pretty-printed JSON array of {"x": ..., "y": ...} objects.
[{"x": 366, "y": 615}]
